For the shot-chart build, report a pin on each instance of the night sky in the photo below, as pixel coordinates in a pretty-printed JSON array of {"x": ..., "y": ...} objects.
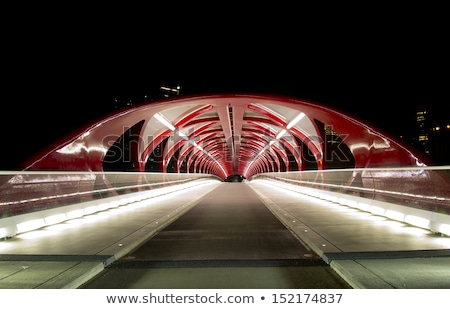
[{"x": 379, "y": 76}]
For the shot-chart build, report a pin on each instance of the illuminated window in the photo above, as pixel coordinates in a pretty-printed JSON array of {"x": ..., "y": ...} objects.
[
  {"x": 423, "y": 137},
  {"x": 420, "y": 118}
]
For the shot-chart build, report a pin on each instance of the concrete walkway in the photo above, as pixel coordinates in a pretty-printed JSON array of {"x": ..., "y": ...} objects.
[
  {"x": 231, "y": 240},
  {"x": 67, "y": 255},
  {"x": 367, "y": 251}
]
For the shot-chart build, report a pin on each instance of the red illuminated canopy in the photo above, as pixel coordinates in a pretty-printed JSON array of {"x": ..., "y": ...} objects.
[{"x": 225, "y": 135}]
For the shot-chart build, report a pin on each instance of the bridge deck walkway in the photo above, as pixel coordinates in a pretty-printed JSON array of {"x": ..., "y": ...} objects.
[{"x": 367, "y": 251}]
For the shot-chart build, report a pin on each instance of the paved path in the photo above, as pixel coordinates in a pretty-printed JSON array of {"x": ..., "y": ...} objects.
[
  {"x": 230, "y": 239},
  {"x": 365, "y": 250}
]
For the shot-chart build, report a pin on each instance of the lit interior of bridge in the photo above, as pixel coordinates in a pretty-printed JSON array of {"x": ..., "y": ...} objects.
[
  {"x": 231, "y": 136},
  {"x": 127, "y": 176}
]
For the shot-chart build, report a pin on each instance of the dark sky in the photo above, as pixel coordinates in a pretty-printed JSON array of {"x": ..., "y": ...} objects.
[{"x": 55, "y": 83}]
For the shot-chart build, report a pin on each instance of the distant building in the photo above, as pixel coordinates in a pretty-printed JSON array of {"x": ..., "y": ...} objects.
[
  {"x": 422, "y": 129},
  {"x": 432, "y": 134},
  {"x": 168, "y": 91},
  {"x": 153, "y": 94}
]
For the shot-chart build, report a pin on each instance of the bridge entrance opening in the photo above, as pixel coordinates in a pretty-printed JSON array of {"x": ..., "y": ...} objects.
[{"x": 234, "y": 178}]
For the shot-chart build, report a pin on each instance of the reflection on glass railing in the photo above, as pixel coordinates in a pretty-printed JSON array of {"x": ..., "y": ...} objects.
[
  {"x": 30, "y": 191},
  {"x": 425, "y": 188}
]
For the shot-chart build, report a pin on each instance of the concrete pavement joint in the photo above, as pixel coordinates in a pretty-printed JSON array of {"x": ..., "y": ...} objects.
[
  {"x": 287, "y": 220},
  {"x": 152, "y": 228}
]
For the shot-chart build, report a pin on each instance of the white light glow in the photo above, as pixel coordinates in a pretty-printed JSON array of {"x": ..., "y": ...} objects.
[
  {"x": 295, "y": 120},
  {"x": 55, "y": 219},
  {"x": 3, "y": 232},
  {"x": 125, "y": 201},
  {"x": 90, "y": 210},
  {"x": 114, "y": 204},
  {"x": 332, "y": 198},
  {"x": 75, "y": 214},
  {"x": 58, "y": 228},
  {"x": 416, "y": 231},
  {"x": 280, "y": 134},
  {"x": 77, "y": 147},
  {"x": 352, "y": 203},
  {"x": 363, "y": 206},
  {"x": 395, "y": 215},
  {"x": 181, "y": 133},
  {"x": 417, "y": 225},
  {"x": 5, "y": 245},
  {"x": 30, "y": 225},
  {"x": 444, "y": 229},
  {"x": 32, "y": 234},
  {"x": 103, "y": 206},
  {"x": 164, "y": 121},
  {"x": 377, "y": 210},
  {"x": 417, "y": 221},
  {"x": 342, "y": 201}
]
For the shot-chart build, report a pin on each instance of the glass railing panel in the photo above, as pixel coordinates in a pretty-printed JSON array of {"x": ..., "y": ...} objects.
[
  {"x": 25, "y": 192},
  {"x": 418, "y": 187}
]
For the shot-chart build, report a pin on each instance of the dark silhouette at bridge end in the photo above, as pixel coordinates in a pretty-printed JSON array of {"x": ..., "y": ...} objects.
[{"x": 234, "y": 178}]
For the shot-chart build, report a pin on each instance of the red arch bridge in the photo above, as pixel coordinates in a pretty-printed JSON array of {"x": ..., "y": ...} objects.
[{"x": 349, "y": 193}]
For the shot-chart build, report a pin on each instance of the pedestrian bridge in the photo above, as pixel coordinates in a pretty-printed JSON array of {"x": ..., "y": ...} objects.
[
  {"x": 350, "y": 193},
  {"x": 61, "y": 229},
  {"x": 34, "y": 199}
]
